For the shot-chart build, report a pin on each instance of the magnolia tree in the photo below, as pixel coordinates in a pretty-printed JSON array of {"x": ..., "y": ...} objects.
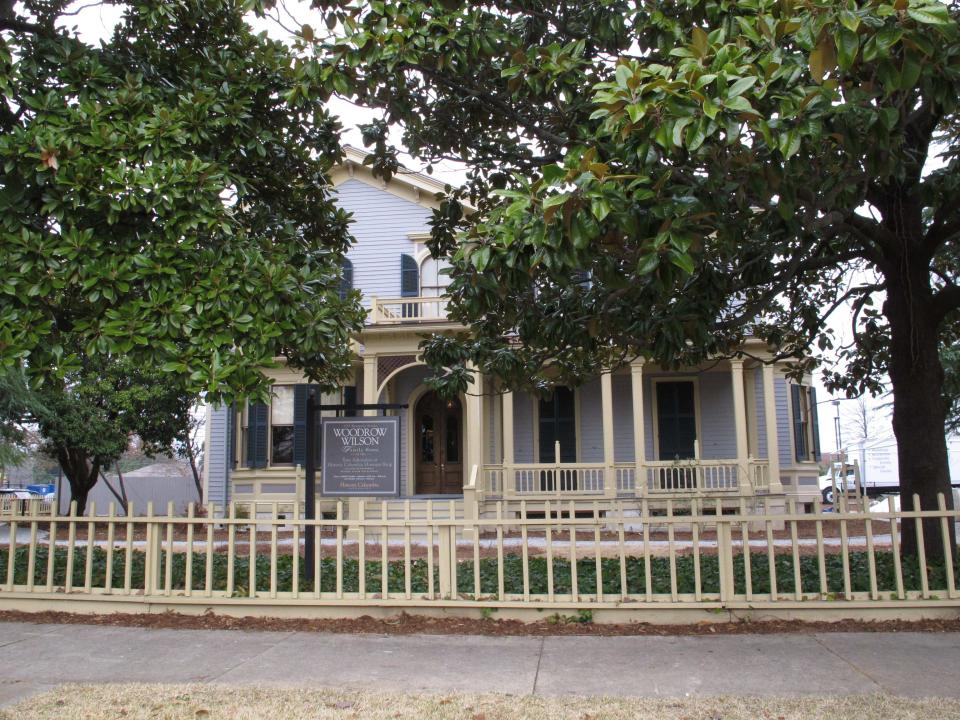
[
  {"x": 164, "y": 196},
  {"x": 665, "y": 179}
]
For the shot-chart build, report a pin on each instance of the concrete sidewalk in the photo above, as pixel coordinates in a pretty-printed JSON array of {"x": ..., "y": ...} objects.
[{"x": 37, "y": 657}]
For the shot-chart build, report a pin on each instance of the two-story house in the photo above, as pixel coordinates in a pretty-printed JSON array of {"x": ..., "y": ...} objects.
[{"x": 733, "y": 428}]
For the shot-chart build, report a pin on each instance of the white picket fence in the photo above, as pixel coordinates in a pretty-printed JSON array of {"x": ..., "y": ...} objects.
[{"x": 619, "y": 554}]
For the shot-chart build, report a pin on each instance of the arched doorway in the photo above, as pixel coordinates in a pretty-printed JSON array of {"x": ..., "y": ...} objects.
[{"x": 438, "y": 464}]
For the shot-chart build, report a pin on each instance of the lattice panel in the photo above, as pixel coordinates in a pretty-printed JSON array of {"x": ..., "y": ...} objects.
[{"x": 387, "y": 365}]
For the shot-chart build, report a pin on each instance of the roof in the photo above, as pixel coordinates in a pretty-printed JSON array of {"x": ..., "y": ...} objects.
[{"x": 407, "y": 184}]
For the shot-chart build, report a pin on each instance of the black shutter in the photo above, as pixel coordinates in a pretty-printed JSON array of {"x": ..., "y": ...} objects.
[
  {"x": 257, "y": 435},
  {"x": 814, "y": 421},
  {"x": 799, "y": 436},
  {"x": 346, "y": 283},
  {"x": 300, "y": 424},
  {"x": 232, "y": 436},
  {"x": 409, "y": 277}
]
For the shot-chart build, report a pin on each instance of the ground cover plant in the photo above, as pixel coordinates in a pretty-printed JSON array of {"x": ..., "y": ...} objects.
[{"x": 512, "y": 573}]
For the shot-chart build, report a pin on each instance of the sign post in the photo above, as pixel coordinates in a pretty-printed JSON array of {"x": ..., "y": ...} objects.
[
  {"x": 364, "y": 470},
  {"x": 310, "y": 482}
]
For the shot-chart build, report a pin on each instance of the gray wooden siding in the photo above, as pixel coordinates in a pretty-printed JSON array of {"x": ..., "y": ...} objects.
[
  {"x": 217, "y": 465},
  {"x": 381, "y": 224},
  {"x": 623, "y": 419},
  {"x": 591, "y": 422},
  {"x": 717, "y": 427},
  {"x": 784, "y": 432},
  {"x": 523, "y": 428},
  {"x": 761, "y": 411},
  {"x": 492, "y": 453}
]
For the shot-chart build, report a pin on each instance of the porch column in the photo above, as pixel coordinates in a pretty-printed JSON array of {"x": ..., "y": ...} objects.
[
  {"x": 639, "y": 444},
  {"x": 474, "y": 423},
  {"x": 370, "y": 395},
  {"x": 739, "y": 413},
  {"x": 506, "y": 423},
  {"x": 770, "y": 420},
  {"x": 606, "y": 405}
]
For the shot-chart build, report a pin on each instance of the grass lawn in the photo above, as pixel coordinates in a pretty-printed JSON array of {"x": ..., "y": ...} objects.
[{"x": 211, "y": 702}]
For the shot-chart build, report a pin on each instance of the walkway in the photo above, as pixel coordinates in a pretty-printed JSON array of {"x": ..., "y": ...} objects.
[{"x": 36, "y": 657}]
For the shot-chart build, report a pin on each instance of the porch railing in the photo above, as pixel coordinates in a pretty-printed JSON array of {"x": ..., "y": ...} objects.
[
  {"x": 628, "y": 555},
  {"x": 392, "y": 311},
  {"x": 702, "y": 477}
]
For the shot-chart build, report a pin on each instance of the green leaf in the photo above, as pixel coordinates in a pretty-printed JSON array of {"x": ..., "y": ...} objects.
[
  {"x": 934, "y": 14},
  {"x": 683, "y": 261},
  {"x": 552, "y": 173},
  {"x": 889, "y": 117},
  {"x": 741, "y": 86},
  {"x": 600, "y": 208},
  {"x": 648, "y": 263},
  {"x": 553, "y": 200},
  {"x": 849, "y": 20},
  {"x": 678, "y": 129},
  {"x": 848, "y": 44}
]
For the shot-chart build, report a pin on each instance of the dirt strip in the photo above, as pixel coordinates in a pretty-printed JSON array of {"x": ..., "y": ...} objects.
[{"x": 404, "y": 624}]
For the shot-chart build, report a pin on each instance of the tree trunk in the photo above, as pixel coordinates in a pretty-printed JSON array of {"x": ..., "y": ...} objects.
[
  {"x": 191, "y": 455},
  {"x": 121, "y": 494},
  {"x": 919, "y": 410},
  {"x": 81, "y": 472}
]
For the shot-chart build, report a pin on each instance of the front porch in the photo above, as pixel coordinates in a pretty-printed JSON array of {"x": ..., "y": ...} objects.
[{"x": 638, "y": 433}]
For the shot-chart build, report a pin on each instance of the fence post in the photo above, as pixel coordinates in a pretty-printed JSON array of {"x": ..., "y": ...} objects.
[
  {"x": 448, "y": 560},
  {"x": 725, "y": 558},
  {"x": 151, "y": 561}
]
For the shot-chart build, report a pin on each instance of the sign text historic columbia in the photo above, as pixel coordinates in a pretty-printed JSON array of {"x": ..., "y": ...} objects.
[{"x": 361, "y": 456}]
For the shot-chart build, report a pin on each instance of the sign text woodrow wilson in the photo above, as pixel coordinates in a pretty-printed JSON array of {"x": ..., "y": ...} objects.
[{"x": 361, "y": 456}]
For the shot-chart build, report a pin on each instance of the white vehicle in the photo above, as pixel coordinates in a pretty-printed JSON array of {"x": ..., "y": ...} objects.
[{"x": 879, "y": 479}]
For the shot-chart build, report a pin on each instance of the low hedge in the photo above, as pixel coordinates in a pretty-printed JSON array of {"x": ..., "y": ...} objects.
[{"x": 512, "y": 571}]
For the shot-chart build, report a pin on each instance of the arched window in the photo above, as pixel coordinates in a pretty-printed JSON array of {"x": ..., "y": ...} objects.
[
  {"x": 433, "y": 281},
  {"x": 346, "y": 278},
  {"x": 409, "y": 277}
]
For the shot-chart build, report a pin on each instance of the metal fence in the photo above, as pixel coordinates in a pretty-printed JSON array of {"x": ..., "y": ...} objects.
[{"x": 618, "y": 554}]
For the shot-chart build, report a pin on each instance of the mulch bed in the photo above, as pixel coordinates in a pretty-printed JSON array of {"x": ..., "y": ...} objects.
[{"x": 404, "y": 624}]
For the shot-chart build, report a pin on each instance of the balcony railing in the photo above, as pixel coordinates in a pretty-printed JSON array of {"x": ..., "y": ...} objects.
[{"x": 395, "y": 311}]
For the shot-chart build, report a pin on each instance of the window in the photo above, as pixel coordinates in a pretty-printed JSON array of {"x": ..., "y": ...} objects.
[
  {"x": 676, "y": 420},
  {"x": 409, "y": 286},
  {"x": 433, "y": 278},
  {"x": 806, "y": 433},
  {"x": 558, "y": 424},
  {"x": 346, "y": 278},
  {"x": 281, "y": 425}
]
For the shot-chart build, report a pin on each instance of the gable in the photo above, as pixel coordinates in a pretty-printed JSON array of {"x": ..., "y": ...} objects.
[{"x": 385, "y": 227}]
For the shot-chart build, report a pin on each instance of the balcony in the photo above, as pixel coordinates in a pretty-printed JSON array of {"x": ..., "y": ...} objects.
[{"x": 408, "y": 310}]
